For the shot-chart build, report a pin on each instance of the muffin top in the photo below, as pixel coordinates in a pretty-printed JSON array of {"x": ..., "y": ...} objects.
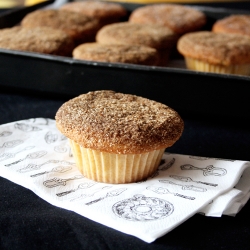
[
  {"x": 74, "y": 24},
  {"x": 215, "y": 48},
  {"x": 178, "y": 18},
  {"x": 39, "y": 39},
  {"x": 120, "y": 53},
  {"x": 151, "y": 35},
  {"x": 234, "y": 24},
  {"x": 119, "y": 123},
  {"x": 98, "y": 9}
]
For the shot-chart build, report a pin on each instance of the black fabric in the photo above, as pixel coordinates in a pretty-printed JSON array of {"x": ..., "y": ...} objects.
[{"x": 28, "y": 222}]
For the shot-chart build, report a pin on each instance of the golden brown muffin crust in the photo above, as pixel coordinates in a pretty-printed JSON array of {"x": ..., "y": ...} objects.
[
  {"x": 101, "y": 10},
  {"x": 119, "y": 123},
  {"x": 178, "y": 18},
  {"x": 81, "y": 28},
  {"x": 120, "y": 53},
  {"x": 215, "y": 48},
  {"x": 234, "y": 24},
  {"x": 40, "y": 39},
  {"x": 151, "y": 35}
]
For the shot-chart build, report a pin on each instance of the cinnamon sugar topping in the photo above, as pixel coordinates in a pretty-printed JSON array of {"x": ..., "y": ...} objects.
[
  {"x": 233, "y": 24},
  {"x": 180, "y": 19},
  {"x": 215, "y": 48},
  {"x": 119, "y": 123}
]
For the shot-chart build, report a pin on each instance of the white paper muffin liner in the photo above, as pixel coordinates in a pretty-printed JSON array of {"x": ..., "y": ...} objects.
[
  {"x": 115, "y": 168},
  {"x": 239, "y": 69}
]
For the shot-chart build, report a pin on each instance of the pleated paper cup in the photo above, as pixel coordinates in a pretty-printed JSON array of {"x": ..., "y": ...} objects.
[
  {"x": 238, "y": 69},
  {"x": 115, "y": 168}
]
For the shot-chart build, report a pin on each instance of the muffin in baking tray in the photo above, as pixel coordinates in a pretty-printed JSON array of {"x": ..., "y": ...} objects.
[
  {"x": 117, "y": 53},
  {"x": 79, "y": 27},
  {"x": 40, "y": 39},
  {"x": 106, "y": 12},
  {"x": 233, "y": 24},
  {"x": 216, "y": 52},
  {"x": 180, "y": 19},
  {"x": 160, "y": 38},
  {"x": 116, "y": 137}
]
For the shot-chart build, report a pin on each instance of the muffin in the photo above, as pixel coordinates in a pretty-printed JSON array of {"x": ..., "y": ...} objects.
[
  {"x": 117, "y": 53},
  {"x": 40, "y": 39},
  {"x": 116, "y": 137},
  {"x": 180, "y": 19},
  {"x": 79, "y": 27},
  {"x": 160, "y": 38},
  {"x": 105, "y": 12},
  {"x": 234, "y": 24},
  {"x": 216, "y": 52}
]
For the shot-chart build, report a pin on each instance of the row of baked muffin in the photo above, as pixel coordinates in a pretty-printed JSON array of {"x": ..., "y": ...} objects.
[
  {"x": 92, "y": 30},
  {"x": 82, "y": 22}
]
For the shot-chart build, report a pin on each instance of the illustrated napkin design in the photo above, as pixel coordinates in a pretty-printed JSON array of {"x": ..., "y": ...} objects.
[{"x": 35, "y": 155}]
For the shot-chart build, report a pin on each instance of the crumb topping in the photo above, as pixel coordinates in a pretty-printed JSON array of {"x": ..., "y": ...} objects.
[
  {"x": 215, "y": 48},
  {"x": 119, "y": 123}
]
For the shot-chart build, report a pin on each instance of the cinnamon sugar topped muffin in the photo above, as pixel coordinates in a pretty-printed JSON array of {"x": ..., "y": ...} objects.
[
  {"x": 40, "y": 39},
  {"x": 160, "y": 38},
  {"x": 117, "y": 53},
  {"x": 233, "y": 24},
  {"x": 104, "y": 11},
  {"x": 118, "y": 138},
  {"x": 79, "y": 27},
  {"x": 130, "y": 33},
  {"x": 216, "y": 52},
  {"x": 180, "y": 19}
]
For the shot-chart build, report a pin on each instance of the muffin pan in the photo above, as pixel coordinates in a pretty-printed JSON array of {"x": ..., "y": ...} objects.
[{"x": 189, "y": 92}]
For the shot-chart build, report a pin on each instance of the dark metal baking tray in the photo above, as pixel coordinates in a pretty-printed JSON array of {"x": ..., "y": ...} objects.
[{"x": 189, "y": 92}]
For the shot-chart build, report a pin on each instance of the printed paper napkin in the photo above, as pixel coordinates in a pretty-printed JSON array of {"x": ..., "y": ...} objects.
[{"x": 35, "y": 155}]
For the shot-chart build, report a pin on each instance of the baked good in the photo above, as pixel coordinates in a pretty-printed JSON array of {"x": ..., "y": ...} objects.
[
  {"x": 39, "y": 39},
  {"x": 178, "y": 18},
  {"x": 216, "y": 52},
  {"x": 117, "y": 53},
  {"x": 104, "y": 11},
  {"x": 160, "y": 38},
  {"x": 116, "y": 137},
  {"x": 79, "y": 27},
  {"x": 233, "y": 24}
]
